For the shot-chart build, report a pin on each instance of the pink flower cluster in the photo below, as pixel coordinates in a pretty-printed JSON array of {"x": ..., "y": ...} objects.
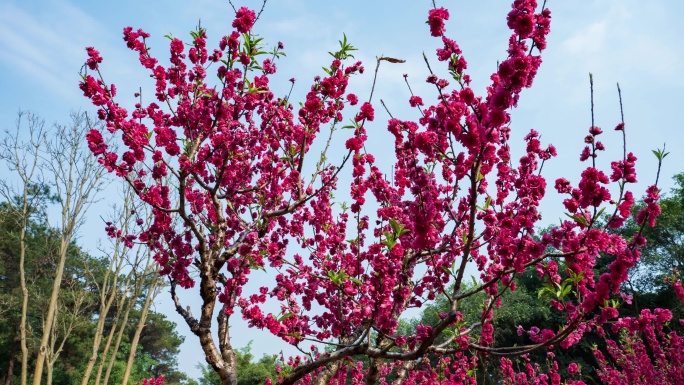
[
  {"x": 646, "y": 354},
  {"x": 535, "y": 374},
  {"x": 436, "y": 19},
  {"x": 244, "y": 20},
  {"x": 154, "y": 381},
  {"x": 225, "y": 166}
]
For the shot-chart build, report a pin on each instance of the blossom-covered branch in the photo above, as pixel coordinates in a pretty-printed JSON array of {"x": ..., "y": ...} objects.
[{"x": 219, "y": 151}]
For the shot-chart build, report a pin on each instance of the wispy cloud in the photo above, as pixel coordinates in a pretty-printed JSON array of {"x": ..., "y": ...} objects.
[
  {"x": 42, "y": 48},
  {"x": 626, "y": 42}
]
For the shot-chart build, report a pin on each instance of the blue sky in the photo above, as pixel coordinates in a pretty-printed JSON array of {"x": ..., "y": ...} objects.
[{"x": 633, "y": 42}]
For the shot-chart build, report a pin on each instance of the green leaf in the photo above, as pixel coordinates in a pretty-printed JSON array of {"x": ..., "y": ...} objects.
[
  {"x": 552, "y": 289},
  {"x": 394, "y": 225},
  {"x": 345, "y": 48},
  {"x": 333, "y": 276},
  {"x": 575, "y": 277},
  {"x": 337, "y": 278},
  {"x": 660, "y": 154},
  {"x": 390, "y": 240},
  {"x": 398, "y": 228},
  {"x": 543, "y": 290},
  {"x": 578, "y": 218},
  {"x": 598, "y": 215}
]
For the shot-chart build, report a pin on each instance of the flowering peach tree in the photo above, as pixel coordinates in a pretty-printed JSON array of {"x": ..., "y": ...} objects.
[
  {"x": 229, "y": 174},
  {"x": 632, "y": 362}
]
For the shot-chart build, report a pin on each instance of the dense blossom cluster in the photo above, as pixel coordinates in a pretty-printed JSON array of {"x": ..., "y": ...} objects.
[
  {"x": 646, "y": 354},
  {"x": 231, "y": 162},
  {"x": 153, "y": 381},
  {"x": 639, "y": 350},
  {"x": 534, "y": 374}
]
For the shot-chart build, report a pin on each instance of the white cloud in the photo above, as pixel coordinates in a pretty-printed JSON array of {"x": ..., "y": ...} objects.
[
  {"x": 625, "y": 44},
  {"x": 21, "y": 37},
  {"x": 588, "y": 40},
  {"x": 43, "y": 47}
]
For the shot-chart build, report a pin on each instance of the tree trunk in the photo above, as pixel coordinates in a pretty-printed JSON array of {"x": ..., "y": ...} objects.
[
  {"x": 373, "y": 374},
  {"x": 119, "y": 336},
  {"x": 138, "y": 284},
  {"x": 327, "y": 374},
  {"x": 49, "y": 318},
  {"x": 105, "y": 305},
  {"x": 50, "y": 367},
  {"x": 405, "y": 369},
  {"x": 149, "y": 297},
  {"x": 76, "y": 179},
  {"x": 24, "y": 303},
  {"x": 224, "y": 363},
  {"x": 93, "y": 355},
  {"x": 24, "y": 158},
  {"x": 10, "y": 366},
  {"x": 110, "y": 336},
  {"x": 227, "y": 353},
  {"x": 110, "y": 289},
  {"x": 69, "y": 318},
  {"x": 49, "y": 360},
  {"x": 105, "y": 352}
]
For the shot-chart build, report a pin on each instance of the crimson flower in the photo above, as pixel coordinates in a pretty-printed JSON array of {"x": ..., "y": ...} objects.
[
  {"x": 436, "y": 18},
  {"x": 366, "y": 112},
  {"x": 95, "y": 142},
  {"x": 244, "y": 19},
  {"x": 94, "y": 58}
]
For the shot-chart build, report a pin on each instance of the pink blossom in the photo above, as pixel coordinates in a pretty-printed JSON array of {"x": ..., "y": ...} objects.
[
  {"x": 366, "y": 112},
  {"x": 94, "y": 58},
  {"x": 436, "y": 18},
  {"x": 96, "y": 142},
  {"x": 415, "y": 101},
  {"x": 233, "y": 163},
  {"x": 244, "y": 20}
]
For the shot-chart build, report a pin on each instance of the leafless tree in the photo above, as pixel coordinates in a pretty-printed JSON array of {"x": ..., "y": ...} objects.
[
  {"x": 21, "y": 151},
  {"x": 76, "y": 178},
  {"x": 150, "y": 277},
  {"x": 110, "y": 288}
]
